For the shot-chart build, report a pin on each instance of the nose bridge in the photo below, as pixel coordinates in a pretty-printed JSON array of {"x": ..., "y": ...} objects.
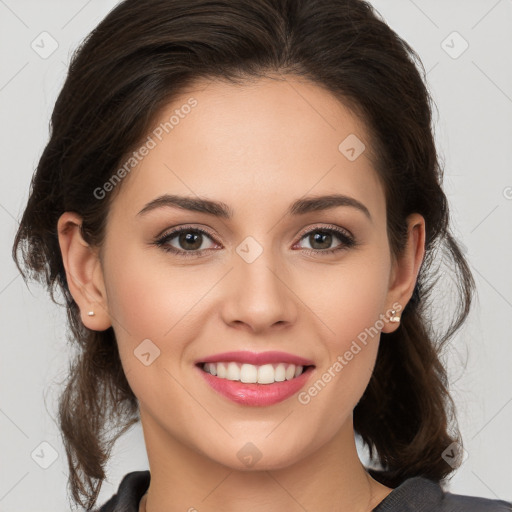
[
  {"x": 259, "y": 295},
  {"x": 256, "y": 267}
]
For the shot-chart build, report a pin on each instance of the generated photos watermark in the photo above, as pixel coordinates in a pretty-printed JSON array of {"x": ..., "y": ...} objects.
[
  {"x": 304, "y": 397},
  {"x": 150, "y": 143}
]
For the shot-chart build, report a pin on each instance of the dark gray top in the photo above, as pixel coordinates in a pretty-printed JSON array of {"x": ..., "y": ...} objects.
[{"x": 416, "y": 494}]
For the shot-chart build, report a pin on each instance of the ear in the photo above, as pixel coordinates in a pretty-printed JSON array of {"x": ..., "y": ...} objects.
[
  {"x": 405, "y": 269},
  {"x": 83, "y": 272}
]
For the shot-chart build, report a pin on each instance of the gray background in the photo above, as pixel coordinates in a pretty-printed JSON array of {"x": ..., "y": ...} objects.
[{"x": 473, "y": 92}]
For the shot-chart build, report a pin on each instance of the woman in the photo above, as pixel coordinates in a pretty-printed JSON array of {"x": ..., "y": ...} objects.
[{"x": 241, "y": 203}]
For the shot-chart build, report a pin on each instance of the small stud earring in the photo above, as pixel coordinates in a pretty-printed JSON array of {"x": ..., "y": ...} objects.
[
  {"x": 91, "y": 313},
  {"x": 394, "y": 318}
]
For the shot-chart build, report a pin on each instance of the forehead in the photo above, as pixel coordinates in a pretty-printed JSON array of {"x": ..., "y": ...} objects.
[{"x": 259, "y": 144}]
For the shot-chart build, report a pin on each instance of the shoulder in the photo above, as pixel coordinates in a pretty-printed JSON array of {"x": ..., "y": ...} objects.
[
  {"x": 421, "y": 494},
  {"x": 457, "y": 502},
  {"x": 413, "y": 495},
  {"x": 130, "y": 491}
]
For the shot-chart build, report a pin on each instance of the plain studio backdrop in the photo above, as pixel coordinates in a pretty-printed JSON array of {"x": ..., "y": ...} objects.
[{"x": 465, "y": 47}]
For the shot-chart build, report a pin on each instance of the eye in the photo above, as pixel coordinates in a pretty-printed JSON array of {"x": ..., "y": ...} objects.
[
  {"x": 189, "y": 240},
  {"x": 321, "y": 238}
]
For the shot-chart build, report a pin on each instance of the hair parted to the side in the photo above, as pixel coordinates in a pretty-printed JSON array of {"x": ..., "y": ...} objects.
[{"x": 143, "y": 54}]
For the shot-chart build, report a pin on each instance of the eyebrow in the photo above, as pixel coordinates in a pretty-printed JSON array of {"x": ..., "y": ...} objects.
[{"x": 222, "y": 210}]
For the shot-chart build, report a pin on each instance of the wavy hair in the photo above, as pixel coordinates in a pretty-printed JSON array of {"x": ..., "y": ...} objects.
[{"x": 145, "y": 53}]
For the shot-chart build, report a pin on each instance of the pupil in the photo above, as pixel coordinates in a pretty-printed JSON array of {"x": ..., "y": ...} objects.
[
  {"x": 188, "y": 238},
  {"x": 318, "y": 236}
]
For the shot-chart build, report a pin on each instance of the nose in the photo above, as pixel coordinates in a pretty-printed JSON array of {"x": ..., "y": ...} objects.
[{"x": 259, "y": 295}]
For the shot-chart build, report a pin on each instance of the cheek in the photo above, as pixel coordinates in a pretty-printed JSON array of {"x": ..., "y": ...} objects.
[
  {"x": 355, "y": 297},
  {"x": 153, "y": 314},
  {"x": 348, "y": 298},
  {"x": 151, "y": 302},
  {"x": 146, "y": 298}
]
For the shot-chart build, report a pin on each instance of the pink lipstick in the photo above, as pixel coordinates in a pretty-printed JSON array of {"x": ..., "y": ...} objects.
[{"x": 255, "y": 379}]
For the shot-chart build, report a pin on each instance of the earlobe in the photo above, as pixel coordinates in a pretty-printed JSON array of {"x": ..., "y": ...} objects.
[
  {"x": 83, "y": 273},
  {"x": 405, "y": 270}
]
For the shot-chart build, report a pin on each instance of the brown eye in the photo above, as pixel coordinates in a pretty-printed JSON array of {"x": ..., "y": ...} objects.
[
  {"x": 184, "y": 241},
  {"x": 321, "y": 239},
  {"x": 190, "y": 241}
]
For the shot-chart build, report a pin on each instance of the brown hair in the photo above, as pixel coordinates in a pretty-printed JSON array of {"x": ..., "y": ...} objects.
[{"x": 139, "y": 58}]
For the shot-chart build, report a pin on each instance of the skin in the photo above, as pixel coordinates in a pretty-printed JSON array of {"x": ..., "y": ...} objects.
[{"x": 257, "y": 148}]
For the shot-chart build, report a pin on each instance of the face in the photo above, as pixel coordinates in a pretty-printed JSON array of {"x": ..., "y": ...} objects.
[{"x": 276, "y": 287}]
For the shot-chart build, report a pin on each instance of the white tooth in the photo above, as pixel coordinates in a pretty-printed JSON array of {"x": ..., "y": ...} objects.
[
  {"x": 233, "y": 372},
  {"x": 290, "y": 372},
  {"x": 266, "y": 374},
  {"x": 222, "y": 370},
  {"x": 280, "y": 373},
  {"x": 249, "y": 373}
]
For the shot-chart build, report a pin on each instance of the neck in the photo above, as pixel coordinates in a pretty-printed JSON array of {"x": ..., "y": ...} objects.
[{"x": 331, "y": 478}]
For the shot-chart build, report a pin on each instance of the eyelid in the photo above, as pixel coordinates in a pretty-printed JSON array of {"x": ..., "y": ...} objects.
[
  {"x": 177, "y": 229},
  {"x": 319, "y": 227}
]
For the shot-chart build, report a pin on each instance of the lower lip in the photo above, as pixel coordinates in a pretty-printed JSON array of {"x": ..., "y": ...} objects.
[{"x": 257, "y": 394}]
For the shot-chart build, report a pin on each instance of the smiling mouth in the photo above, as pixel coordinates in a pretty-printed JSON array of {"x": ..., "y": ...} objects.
[{"x": 253, "y": 374}]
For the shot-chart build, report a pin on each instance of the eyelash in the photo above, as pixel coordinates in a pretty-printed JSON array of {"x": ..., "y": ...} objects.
[{"x": 347, "y": 241}]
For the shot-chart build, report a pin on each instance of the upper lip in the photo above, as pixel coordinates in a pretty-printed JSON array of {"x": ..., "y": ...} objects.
[{"x": 257, "y": 358}]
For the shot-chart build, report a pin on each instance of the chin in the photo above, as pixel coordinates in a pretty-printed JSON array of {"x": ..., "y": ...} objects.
[{"x": 262, "y": 454}]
